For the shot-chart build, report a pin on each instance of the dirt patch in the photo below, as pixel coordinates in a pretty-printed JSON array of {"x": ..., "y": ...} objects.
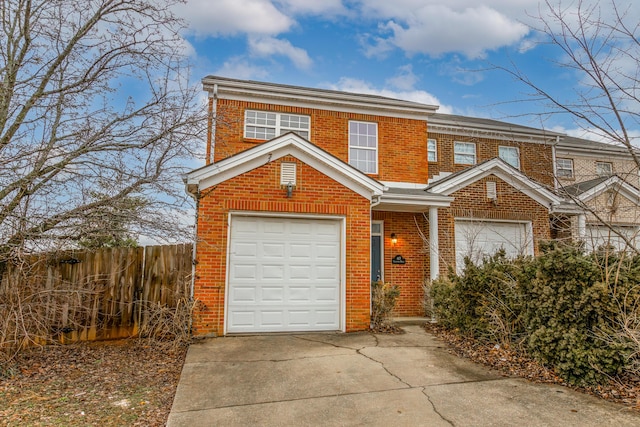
[
  {"x": 624, "y": 389},
  {"x": 111, "y": 383}
]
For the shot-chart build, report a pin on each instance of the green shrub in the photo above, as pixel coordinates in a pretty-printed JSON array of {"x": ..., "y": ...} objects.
[
  {"x": 568, "y": 308},
  {"x": 483, "y": 302},
  {"x": 573, "y": 312}
]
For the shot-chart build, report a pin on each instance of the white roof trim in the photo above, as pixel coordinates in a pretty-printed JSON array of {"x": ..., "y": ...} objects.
[
  {"x": 252, "y": 91},
  {"x": 288, "y": 144},
  {"x": 502, "y": 170},
  {"x": 616, "y": 183},
  {"x": 412, "y": 202}
]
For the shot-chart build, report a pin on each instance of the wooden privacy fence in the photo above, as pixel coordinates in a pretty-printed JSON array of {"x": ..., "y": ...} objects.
[{"x": 91, "y": 295}]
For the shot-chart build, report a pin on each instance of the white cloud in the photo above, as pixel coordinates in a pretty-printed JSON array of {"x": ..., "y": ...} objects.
[
  {"x": 231, "y": 17},
  {"x": 347, "y": 84},
  {"x": 270, "y": 46},
  {"x": 239, "y": 67},
  {"x": 326, "y": 8},
  {"x": 405, "y": 79},
  {"x": 438, "y": 29}
]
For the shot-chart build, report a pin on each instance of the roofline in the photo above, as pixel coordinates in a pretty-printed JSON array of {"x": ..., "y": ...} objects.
[
  {"x": 456, "y": 125},
  {"x": 297, "y": 96}
]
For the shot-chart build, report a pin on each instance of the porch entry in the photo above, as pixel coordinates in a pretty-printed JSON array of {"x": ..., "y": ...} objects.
[{"x": 377, "y": 249}]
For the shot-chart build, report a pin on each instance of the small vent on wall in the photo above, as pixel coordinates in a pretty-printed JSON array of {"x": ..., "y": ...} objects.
[
  {"x": 492, "y": 192},
  {"x": 287, "y": 173}
]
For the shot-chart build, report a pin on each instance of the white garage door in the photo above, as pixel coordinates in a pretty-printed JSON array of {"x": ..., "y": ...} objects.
[
  {"x": 284, "y": 275},
  {"x": 598, "y": 236},
  {"x": 478, "y": 239}
]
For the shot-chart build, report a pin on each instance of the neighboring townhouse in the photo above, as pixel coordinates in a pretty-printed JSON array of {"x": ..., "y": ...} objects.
[
  {"x": 603, "y": 179},
  {"x": 308, "y": 195}
]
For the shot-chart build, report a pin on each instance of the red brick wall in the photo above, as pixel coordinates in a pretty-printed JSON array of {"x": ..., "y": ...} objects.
[
  {"x": 259, "y": 190},
  {"x": 402, "y": 143},
  {"x": 472, "y": 202},
  {"x": 536, "y": 160},
  {"x": 409, "y": 277}
]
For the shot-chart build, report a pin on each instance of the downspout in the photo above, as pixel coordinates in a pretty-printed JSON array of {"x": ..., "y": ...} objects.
[
  {"x": 375, "y": 202},
  {"x": 553, "y": 159},
  {"x": 213, "y": 119}
]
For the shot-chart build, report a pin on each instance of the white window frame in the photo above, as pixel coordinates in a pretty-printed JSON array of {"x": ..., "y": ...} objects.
[
  {"x": 505, "y": 148},
  {"x": 269, "y": 124},
  {"x": 356, "y": 146},
  {"x": 600, "y": 172},
  {"x": 432, "y": 152},
  {"x": 566, "y": 166},
  {"x": 457, "y": 153}
]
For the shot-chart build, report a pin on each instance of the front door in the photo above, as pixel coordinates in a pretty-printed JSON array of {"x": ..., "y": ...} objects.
[{"x": 377, "y": 273}]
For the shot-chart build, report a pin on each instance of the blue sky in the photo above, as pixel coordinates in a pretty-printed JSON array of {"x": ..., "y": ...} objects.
[{"x": 431, "y": 51}]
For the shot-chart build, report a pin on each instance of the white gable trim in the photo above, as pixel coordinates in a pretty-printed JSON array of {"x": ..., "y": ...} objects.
[
  {"x": 502, "y": 170},
  {"x": 613, "y": 183},
  {"x": 288, "y": 144}
]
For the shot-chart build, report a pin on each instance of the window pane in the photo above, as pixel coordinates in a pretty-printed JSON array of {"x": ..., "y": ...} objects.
[
  {"x": 431, "y": 150},
  {"x": 511, "y": 155},
  {"x": 464, "y": 153}
]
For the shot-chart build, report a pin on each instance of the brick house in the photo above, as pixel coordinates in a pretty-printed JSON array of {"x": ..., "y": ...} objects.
[
  {"x": 308, "y": 195},
  {"x": 602, "y": 179}
]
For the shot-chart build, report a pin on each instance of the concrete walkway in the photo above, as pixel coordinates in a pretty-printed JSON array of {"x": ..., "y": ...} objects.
[{"x": 329, "y": 379}]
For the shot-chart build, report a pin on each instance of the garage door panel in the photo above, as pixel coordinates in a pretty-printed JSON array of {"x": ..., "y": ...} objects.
[
  {"x": 271, "y": 294},
  {"x": 244, "y": 271},
  {"x": 299, "y": 292},
  {"x": 327, "y": 294},
  {"x": 240, "y": 294}
]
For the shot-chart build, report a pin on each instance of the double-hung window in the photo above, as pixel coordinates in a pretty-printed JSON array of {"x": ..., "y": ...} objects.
[
  {"x": 268, "y": 125},
  {"x": 432, "y": 150},
  {"x": 464, "y": 153},
  {"x": 510, "y": 155},
  {"x": 363, "y": 146},
  {"x": 564, "y": 168}
]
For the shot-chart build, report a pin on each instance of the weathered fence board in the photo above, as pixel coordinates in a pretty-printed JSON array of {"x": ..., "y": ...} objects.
[{"x": 90, "y": 295}]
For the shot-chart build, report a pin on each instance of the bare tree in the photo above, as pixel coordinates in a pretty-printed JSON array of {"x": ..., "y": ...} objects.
[
  {"x": 599, "y": 43},
  {"x": 95, "y": 112}
]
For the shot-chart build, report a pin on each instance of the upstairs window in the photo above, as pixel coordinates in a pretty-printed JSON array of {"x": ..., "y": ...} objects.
[
  {"x": 604, "y": 168},
  {"x": 268, "y": 125},
  {"x": 432, "y": 150},
  {"x": 363, "y": 146},
  {"x": 464, "y": 153},
  {"x": 510, "y": 155},
  {"x": 564, "y": 168}
]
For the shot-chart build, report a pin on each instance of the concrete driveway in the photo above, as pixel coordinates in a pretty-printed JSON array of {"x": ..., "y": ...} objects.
[{"x": 366, "y": 379}]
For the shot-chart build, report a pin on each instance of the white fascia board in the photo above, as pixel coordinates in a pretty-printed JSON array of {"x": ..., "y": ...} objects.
[
  {"x": 408, "y": 185},
  {"x": 411, "y": 203},
  {"x": 594, "y": 152},
  {"x": 511, "y": 176},
  {"x": 289, "y": 144},
  {"x": 294, "y": 96}
]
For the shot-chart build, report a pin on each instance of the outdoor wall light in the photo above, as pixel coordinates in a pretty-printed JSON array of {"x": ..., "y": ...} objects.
[
  {"x": 394, "y": 238},
  {"x": 289, "y": 189}
]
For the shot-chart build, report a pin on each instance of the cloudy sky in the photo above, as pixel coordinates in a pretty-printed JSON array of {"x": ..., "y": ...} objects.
[{"x": 431, "y": 51}]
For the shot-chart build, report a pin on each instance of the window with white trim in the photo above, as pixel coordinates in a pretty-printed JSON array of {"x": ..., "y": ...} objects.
[
  {"x": 432, "y": 150},
  {"x": 267, "y": 125},
  {"x": 564, "y": 168},
  {"x": 464, "y": 153},
  {"x": 363, "y": 146},
  {"x": 604, "y": 168},
  {"x": 510, "y": 155}
]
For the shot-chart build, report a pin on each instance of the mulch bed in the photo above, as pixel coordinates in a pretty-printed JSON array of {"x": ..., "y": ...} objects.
[
  {"x": 624, "y": 389},
  {"x": 110, "y": 383}
]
